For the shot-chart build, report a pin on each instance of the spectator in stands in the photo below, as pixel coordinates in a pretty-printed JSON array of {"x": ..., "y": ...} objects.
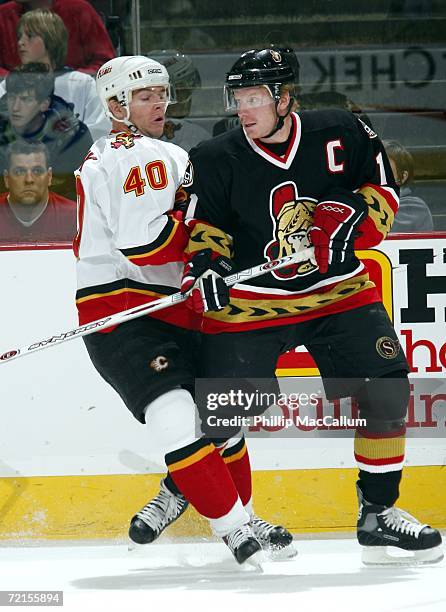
[
  {"x": 43, "y": 37},
  {"x": 29, "y": 212},
  {"x": 89, "y": 45},
  {"x": 185, "y": 78},
  {"x": 35, "y": 114},
  {"x": 413, "y": 213}
]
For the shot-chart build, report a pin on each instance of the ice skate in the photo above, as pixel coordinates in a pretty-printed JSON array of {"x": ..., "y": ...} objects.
[
  {"x": 390, "y": 536},
  {"x": 148, "y": 524},
  {"x": 276, "y": 541},
  {"x": 244, "y": 546}
]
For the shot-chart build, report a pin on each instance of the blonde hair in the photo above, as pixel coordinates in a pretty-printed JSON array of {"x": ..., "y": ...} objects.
[
  {"x": 52, "y": 30},
  {"x": 292, "y": 89}
]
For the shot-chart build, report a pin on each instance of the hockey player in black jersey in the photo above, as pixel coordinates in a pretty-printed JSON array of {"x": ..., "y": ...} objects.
[{"x": 282, "y": 181}]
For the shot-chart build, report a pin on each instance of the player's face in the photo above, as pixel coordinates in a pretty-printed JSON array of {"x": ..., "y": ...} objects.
[
  {"x": 31, "y": 48},
  {"x": 256, "y": 110},
  {"x": 23, "y": 108},
  {"x": 28, "y": 179},
  {"x": 148, "y": 109}
]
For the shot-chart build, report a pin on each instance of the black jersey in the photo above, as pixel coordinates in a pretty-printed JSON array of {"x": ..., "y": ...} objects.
[{"x": 265, "y": 203}]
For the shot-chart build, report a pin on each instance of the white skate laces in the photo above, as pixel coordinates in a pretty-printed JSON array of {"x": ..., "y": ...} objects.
[
  {"x": 402, "y": 522},
  {"x": 275, "y": 540},
  {"x": 148, "y": 524},
  {"x": 244, "y": 546},
  {"x": 237, "y": 537},
  {"x": 163, "y": 508},
  {"x": 390, "y": 536},
  {"x": 261, "y": 528}
]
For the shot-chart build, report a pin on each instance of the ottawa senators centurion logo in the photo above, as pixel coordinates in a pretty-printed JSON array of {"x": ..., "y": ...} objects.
[{"x": 292, "y": 219}]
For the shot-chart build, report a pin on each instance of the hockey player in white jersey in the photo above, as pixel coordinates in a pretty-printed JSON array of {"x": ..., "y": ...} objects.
[{"x": 129, "y": 250}]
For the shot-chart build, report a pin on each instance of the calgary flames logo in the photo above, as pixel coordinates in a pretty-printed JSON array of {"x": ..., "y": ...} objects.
[
  {"x": 159, "y": 364},
  {"x": 124, "y": 139},
  {"x": 292, "y": 218}
]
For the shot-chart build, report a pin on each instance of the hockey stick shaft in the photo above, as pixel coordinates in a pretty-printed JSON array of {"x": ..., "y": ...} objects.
[{"x": 144, "y": 309}]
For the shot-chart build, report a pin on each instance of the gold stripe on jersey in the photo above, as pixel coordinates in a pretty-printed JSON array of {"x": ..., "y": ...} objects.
[
  {"x": 149, "y": 250},
  {"x": 379, "y": 208},
  {"x": 95, "y": 296},
  {"x": 160, "y": 247},
  {"x": 248, "y": 310},
  {"x": 205, "y": 236}
]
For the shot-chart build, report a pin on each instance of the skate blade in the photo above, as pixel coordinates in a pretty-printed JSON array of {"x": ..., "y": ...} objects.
[
  {"x": 131, "y": 545},
  {"x": 136, "y": 549},
  {"x": 390, "y": 555},
  {"x": 255, "y": 561},
  {"x": 282, "y": 554}
]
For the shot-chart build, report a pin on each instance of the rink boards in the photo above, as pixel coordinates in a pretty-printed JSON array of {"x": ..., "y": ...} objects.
[{"x": 74, "y": 464}]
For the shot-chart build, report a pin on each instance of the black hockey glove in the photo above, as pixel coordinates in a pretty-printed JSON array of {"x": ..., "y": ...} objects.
[
  {"x": 203, "y": 281},
  {"x": 333, "y": 231}
]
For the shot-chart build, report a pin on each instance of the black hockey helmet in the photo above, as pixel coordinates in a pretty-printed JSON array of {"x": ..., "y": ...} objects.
[
  {"x": 292, "y": 60},
  {"x": 272, "y": 67}
]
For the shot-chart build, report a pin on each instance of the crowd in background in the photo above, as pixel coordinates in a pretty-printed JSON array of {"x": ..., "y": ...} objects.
[{"x": 50, "y": 115}]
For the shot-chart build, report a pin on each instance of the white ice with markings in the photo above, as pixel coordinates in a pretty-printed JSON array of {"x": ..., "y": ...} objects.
[{"x": 326, "y": 575}]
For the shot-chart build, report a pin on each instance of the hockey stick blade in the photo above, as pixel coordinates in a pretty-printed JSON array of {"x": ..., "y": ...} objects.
[{"x": 143, "y": 309}]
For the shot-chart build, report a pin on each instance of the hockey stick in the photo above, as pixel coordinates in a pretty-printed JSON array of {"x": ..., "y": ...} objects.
[{"x": 143, "y": 309}]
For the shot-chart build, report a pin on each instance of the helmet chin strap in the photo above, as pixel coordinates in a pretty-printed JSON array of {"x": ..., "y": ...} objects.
[
  {"x": 132, "y": 127},
  {"x": 280, "y": 119},
  {"x": 125, "y": 120}
]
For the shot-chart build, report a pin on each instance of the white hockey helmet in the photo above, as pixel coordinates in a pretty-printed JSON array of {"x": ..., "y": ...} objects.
[{"x": 120, "y": 76}]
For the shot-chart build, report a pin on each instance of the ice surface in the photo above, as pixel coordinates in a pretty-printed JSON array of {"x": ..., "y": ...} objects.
[{"x": 327, "y": 575}]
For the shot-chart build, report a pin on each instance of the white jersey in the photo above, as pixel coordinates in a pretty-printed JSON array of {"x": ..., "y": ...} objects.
[{"x": 129, "y": 245}]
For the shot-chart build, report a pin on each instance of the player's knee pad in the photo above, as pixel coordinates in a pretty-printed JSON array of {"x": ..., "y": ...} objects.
[
  {"x": 171, "y": 421},
  {"x": 383, "y": 402}
]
